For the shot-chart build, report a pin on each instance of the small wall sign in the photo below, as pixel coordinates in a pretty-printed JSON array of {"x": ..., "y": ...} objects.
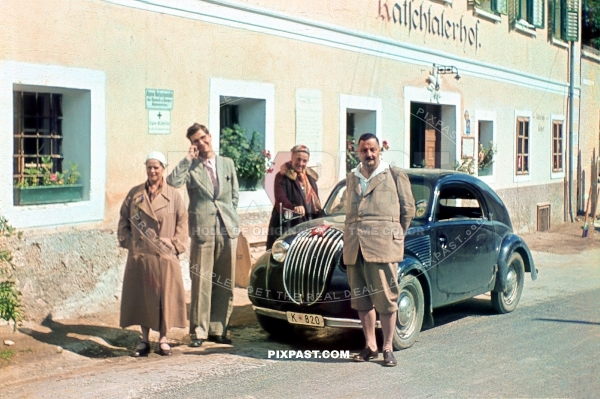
[{"x": 159, "y": 104}]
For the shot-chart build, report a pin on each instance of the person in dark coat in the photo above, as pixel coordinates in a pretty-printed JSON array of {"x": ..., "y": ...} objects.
[{"x": 296, "y": 195}]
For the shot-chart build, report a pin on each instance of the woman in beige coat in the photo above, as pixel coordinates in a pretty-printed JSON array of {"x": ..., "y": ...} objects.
[{"x": 153, "y": 227}]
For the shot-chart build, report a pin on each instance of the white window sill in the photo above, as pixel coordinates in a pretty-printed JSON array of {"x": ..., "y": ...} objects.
[
  {"x": 521, "y": 178},
  {"x": 590, "y": 55},
  {"x": 445, "y": 2},
  {"x": 525, "y": 27},
  {"x": 557, "y": 175},
  {"x": 560, "y": 43},
  {"x": 487, "y": 15}
]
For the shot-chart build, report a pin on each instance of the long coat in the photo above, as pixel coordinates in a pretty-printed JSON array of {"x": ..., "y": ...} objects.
[
  {"x": 204, "y": 205},
  {"x": 288, "y": 195},
  {"x": 153, "y": 292},
  {"x": 377, "y": 221}
]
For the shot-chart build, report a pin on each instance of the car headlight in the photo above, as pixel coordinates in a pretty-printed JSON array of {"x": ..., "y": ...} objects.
[{"x": 279, "y": 250}]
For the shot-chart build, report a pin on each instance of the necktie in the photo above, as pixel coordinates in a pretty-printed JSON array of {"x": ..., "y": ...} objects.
[{"x": 213, "y": 177}]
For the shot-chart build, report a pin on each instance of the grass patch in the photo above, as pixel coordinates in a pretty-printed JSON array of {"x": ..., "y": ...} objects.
[{"x": 6, "y": 354}]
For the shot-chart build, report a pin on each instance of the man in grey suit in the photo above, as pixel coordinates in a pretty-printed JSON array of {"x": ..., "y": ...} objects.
[
  {"x": 379, "y": 209},
  {"x": 212, "y": 186}
]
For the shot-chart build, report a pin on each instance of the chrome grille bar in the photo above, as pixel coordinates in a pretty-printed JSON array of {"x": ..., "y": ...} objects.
[{"x": 309, "y": 263}]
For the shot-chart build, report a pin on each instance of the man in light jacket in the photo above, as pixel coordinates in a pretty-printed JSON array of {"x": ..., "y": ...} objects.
[
  {"x": 212, "y": 186},
  {"x": 379, "y": 209}
]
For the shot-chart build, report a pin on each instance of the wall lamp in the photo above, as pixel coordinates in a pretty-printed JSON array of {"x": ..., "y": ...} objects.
[{"x": 443, "y": 69}]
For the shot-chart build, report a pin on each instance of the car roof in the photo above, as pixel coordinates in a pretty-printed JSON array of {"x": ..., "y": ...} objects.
[{"x": 434, "y": 174}]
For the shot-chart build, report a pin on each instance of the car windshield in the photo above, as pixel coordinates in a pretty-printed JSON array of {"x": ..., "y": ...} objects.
[{"x": 336, "y": 203}]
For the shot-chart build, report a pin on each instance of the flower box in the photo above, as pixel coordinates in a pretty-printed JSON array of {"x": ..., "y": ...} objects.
[{"x": 47, "y": 194}]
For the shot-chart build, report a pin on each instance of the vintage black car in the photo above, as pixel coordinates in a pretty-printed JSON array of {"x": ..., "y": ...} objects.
[{"x": 460, "y": 244}]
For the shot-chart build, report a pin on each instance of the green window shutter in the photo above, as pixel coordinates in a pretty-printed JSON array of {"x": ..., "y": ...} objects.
[
  {"x": 518, "y": 12},
  {"x": 501, "y": 6},
  {"x": 537, "y": 17},
  {"x": 570, "y": 21}
]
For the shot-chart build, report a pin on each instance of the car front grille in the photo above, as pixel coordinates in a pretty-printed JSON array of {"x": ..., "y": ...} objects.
[{"x": 310, "y": 261}]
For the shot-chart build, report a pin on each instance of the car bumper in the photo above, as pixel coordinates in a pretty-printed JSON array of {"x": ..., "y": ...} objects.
[{"x": 335, "y": 322}]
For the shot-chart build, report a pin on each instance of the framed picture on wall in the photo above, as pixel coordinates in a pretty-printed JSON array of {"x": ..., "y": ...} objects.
[{"x": 467, "y": 147}]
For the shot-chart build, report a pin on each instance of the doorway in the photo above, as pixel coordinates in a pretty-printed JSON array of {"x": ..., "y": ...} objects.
[
  {"x": 425, "y": 135},
  {"x": 432, "y": 141}
]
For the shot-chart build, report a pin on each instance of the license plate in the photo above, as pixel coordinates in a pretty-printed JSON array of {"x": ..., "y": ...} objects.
[{"x": 306, "y": 319}]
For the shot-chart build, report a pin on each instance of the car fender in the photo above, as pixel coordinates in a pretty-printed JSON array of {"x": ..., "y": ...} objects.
[
  {"x": 411, "y": 265},
  {"x": 510, "y": 244}
]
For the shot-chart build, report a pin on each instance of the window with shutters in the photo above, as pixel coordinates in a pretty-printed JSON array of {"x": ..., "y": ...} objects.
[
  {"x": 555, "y": 18},
  {"x": 522, "y": 158},
  {"x": 530, "y": 13},
  {"x": 492, "y": 6}
]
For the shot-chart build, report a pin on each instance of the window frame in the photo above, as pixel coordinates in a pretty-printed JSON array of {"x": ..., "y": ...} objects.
[
  {"x": 556, "y": 25},
  {"x": 531, "y": 13},
  {"x": 68, "y": 79},
  {"x": 557, "y": 119},
  {"x": 524, "y": 139},
  {"x": 352, "y": 102},
  {"x": 557, "y": 155},
  {"x": 51, "y": 134},
  {"x": 248, "y": 200}
]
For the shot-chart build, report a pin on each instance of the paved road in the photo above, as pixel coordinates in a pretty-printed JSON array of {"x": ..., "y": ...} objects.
[{"x": 548, "y": 347}]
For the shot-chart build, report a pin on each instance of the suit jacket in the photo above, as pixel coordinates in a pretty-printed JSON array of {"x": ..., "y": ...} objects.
[
  {"x": 377, "y": 221},
  {"x": 204, "y": 206}
]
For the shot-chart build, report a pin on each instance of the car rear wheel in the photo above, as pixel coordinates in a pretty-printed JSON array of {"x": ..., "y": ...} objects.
[
  {"x": 506, "y": 302},
  {"x": 411, "y": 305},
  {"x": 275, "y": 327}
]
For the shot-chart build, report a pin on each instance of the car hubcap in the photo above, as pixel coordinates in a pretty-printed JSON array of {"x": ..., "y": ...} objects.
[
  {"x": 511, "y": 286},
  {"x": 406, "y": 309}
]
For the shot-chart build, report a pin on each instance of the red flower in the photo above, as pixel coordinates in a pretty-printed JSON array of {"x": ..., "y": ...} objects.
[
  {"x": 385, "y": 145},
  {"x": 53, "y": 177}
]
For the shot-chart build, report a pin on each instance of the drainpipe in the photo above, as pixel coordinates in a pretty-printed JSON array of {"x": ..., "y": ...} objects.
[{"x": 571, "y": 137}]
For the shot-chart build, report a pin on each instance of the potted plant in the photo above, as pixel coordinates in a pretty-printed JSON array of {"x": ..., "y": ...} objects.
[
  {"x": 486, "y": 156},
  {"x": 251, "y": 160},
  {"x": 352, "y": 160},
  {"x": 43, "y": 186}
]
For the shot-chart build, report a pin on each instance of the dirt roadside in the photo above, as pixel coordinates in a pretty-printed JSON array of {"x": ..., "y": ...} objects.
[{"x": 55, "y": 348}]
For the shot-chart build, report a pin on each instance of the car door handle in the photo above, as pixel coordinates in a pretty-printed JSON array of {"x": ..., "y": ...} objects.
[{"x": 443, "y": 241}]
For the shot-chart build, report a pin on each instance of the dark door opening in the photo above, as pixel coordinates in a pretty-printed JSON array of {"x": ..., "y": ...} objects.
[{"x": 425, "y": 135}]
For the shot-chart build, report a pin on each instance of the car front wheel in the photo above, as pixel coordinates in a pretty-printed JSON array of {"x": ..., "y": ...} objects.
[
  {"x": 506, "y": 302},
  {"x": 411, "y": 305}
]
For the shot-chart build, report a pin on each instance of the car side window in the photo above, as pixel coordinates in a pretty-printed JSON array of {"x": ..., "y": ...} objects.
[{"x": 457, "y": 202}]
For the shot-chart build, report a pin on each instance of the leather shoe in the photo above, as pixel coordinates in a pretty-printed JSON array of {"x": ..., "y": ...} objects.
[
  {"x": 388, "y": 358},
  {"x": 365, "y": 355},
  {"x": 164, "y": 352},
  {"x": 143, "y": 352},
  {"x": 195, "y": 343},
  {"x": 219, "y": 339}
]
